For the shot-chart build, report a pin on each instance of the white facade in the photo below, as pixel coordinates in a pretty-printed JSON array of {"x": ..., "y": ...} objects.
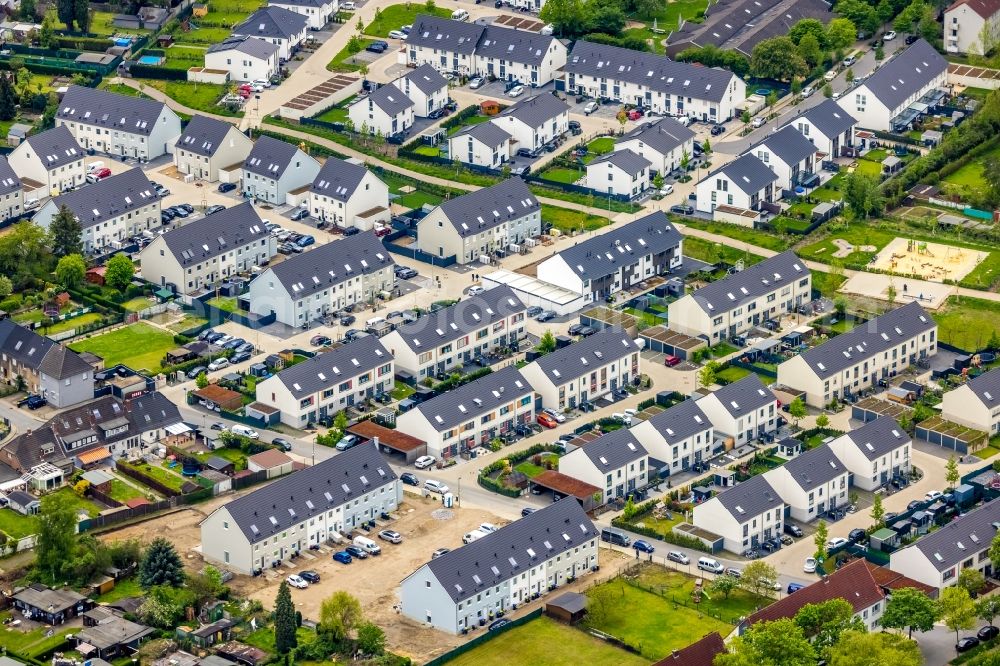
[
  {"x": 787, "y": 173},
  {"x": 243, "y": 66},
  {"x": 466, "y": 148},
  {"x": 739, "y": 531},
  {"x": 603, "y": 176},
  {"x": 317, "y": 13},
  {"x": 830, "y": 145},
  {"x": 721, "y": 189},
  {"x": 677, "y": 452},
  {"x": 870, "y": 474},
  {"x": 424, "y": 102},
  {"x": 663, "y": 163},
  {"x": 233, "y": 150},
  {"x": 979, "y": 408},
  {"x": 371, "y": 193},
  {"x": 527, "y": 136},
  {"x": 970, "y": 23},
  {"x": 475, "y": 63},
  {"x": 743, "y": 426},
  {"x": 29, "y": 164},
  {"x": 370, "y": 117},
  {"x": 615, "y": 481},
  {"x": 809, "y": 503},
  {"x": 121, "y": 143},
  {"x": 300, "y": 172}
]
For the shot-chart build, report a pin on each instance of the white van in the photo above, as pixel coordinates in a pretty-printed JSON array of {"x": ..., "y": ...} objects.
[
  {"x": 460, "y": 15},
  {"x": 31, "y": 203},
  {"x": 374, "y": 321},
  {"x": 240, "y": 429},
  {"x": 711, "y": 565},
  {"x": 436, "y": 486},
  {"x": 367, "y": 545},
  {"x": 474, "y": 535},
  {"x": 95, "y": 166}
]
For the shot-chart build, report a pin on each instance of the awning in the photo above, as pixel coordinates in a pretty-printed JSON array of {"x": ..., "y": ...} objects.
[
  {"x": 919, "y": 107},
  {"x": 177, "y": 428},
  {"x": 85, "y": 648},
  {"x": 95, "y": 455},
  {"x": 164, "y": 293}
]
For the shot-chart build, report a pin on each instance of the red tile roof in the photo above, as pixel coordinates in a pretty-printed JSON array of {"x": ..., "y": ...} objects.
[
  {"x": 701, "y": 653},
  {"x": 394, "y": 439},
  {"x": 985, "y": 8},
  {"x": 891, "y": 580}
]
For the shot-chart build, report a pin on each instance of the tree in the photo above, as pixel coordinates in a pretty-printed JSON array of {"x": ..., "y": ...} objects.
[
  {"x": 24, "y": 253},
  {"x": 83, "y": 15},
  {"x": 285, "y": 625},
  {"x": 339, "y": 615},
  {"x": 119, "y": 272},
  {"x": 29, "y": 10},
  {"x": 709, "y": 374},
  {"x": 371, "y": 638},
  {"x": 778, "y": 643},
  {"x": 777, "y": 58},
  {"x": 824, "y": 622},
  {"x": 201, "y": 381},
  {"x": 810, "y": 50},
  {"x": 890, "y": 294},
  {"x": 547, "y": 343},
  {"x": 71, "y": 270},
  {"x": 878, "y": 511},
  {"x": 66, "y": 233},
  {"x": 797, "y": 410},
  {"x": 724, "y": 585},
  {"x": 988, "y": 608},
  {"x": 206, "y": 585},
  {"x": 429, "y": 6},
  {"x": 355, "y": 44},
  {"x": 745, "y": 117},
  {"x": 56, "y": 535},
  {"x": 566, "y": 16},
  {"x": 66, "y": 11},
  {"x": 859, "y": 648},
  {"x": 840, "y": 33},
  {"x": 808, "y": 27},
  {"x": 819, "y": 539},
  {"x": 862, "y": 195},
  {"x": 47, "y": 35},
  {"x": 994, "y": 552},
  {"x": 828, "y": 91},
  {"x": 822, "y": 421},
  {"x": 951, "y": 474},
  {"x": 972, "y": 580},
  {"x": 363, "y": 70},
  {"x": 8, "y": 99},
  {"x": 849, "y": 75},
  {"x": 161, "y": 565},
  {"x": 956, "y": 609},
  {"x": 860, "y": 13},
  {"x": 910, "y": 609},
  {"x": 879, "y": 53},
  {"x": 908, "y": 20},
  {"x": 758, "y": 578}
]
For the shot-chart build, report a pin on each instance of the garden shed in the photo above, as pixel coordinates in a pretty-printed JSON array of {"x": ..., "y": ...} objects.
[{"x": 569, "y": 607}]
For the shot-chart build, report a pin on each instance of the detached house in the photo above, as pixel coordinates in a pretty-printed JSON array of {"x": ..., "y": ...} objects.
[
  {"x": 118, "y": 124},
  {"x": 471, "y": 415},
  {"x": 609, "y": 263},
  {"x": 329, "y": 382},
  {"x": 585, "y": 371},
  {"x": 976, "y": 403},
  {"x": 828, "y": 126},
  {"x": 109, "y": 211},
  {"x": 971, "y": 26},
  {"x": 245, "y": 58},
  {"x": 346, "y": 194},
  {"x": 317, "y": 12},
  {"x": 470, "y": 586},
  {"x": 306, "y": 508},
  {"x": 811, "y": 483},
  {"x": 739, "y": 302},
  {"x": 481, "y": 222},
  {"x": 616, "y": 462},
  {"x": 743, "y": 184},
  {"x": 534, "y": 121},
  {"x": 857, "y": 360},
  {"x": 426, "y": 88},
  {"x": 664, "y": 142},
  {"x": 875, "y": 453},
  {"x": 208, "y": 145},
  {"x": 386, "y": 111},
  {"x": 48, "y": 369},
  {"x": 274, "y": 168},
  {"x": 744, "y": 410},
  {"x": 277, "y": 25},
  {"x": 53, "y": 159},
  {"x": 483, "y": 144},
  {"x": 622, "y": 173},
  {"x": 443, "y": 340},
  {"x": 677, "y": 438},
  {"x": 791, "y": 156},
  {"x": 199, "y": 254},
  {"x": 310, "y": 286},
  {"x": 745, "y": 515}
]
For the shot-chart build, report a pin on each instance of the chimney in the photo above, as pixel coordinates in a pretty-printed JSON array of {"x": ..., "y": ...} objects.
[{"x": 375, "y": 439}]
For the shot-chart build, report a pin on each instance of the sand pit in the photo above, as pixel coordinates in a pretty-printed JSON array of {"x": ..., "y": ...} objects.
[
  {"x": 929, "y": 261},
  {"x": 930, "y": 295}
]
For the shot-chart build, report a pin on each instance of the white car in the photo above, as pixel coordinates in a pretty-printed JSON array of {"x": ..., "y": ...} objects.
[
  {"x": 488, "y": 527},
  {"x": 349, "y": 6},
  {"x": 476, "y": 82},
  {"x": 218, "y": 364},
  {"x": 837, "y": 94},
  {"x": 810, "y": 565},
  {"x": 244, "y": 431},
  {"x": 590, "y": 108},
  {"x": 423, "y": 462},
  {"x": 256, "y": 87},
  {"x": 560, "y": 418},
  {"x": 476, "y": 290},
  {"x": 933, "y": 494},
  {"x": 262, "y": 83},
  {"x": 516, "y": 91},
  {"x": 666, "y": 190},
  {"x": 808, "y": 91},
  {"x": 758, "y": 122},
  {"x": 397, "y": 34},
  {"x": 624, "y": 418},
  {"x": 830, "y": 76},
  {"x": 889, "y": 36},
  {"x": 297, "y": 581},
  {"x": 836, "y": 542},
  {"x": 436, "y": 487}
]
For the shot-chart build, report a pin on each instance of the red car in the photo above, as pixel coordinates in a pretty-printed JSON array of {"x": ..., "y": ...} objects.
[
  {"x": 546, "y": 420},
  {"x": 671, "y": 361},
  {"x": 103, "y": 173},
  {"x": 634, "y": 114}
]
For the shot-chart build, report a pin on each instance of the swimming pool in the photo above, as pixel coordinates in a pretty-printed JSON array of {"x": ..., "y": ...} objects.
[{"x": 150, "y": 60}]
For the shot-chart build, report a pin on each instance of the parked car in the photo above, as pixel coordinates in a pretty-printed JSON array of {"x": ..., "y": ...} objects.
[
  {"x": 218, "y": 364},
  {"x": 794, "y": 530},
  {"x": 245, "y": 431},
  {"x": 546, "y": 420},
  {"x": 497, "y": 624},
  {"x": 889, "y": 36},
  {"x": 590, "y": 108},
  {"x": 810, "y": 565},
  {"x": 309, "y": 576},
  {"x": 678, "y": 556},
  {"x": 527, "y": 511},
  {"x": 558, "y": 416},
  {"x": 342, "y": 556},
  {"x": 299, "y": 214},
  {"x": 195, "y": 371},
  {"x": 475, "y": 290},
  {"x": 516, "y": 91},
  {"x": 808, "y": 91},
  {"x": 436, "y": 487},
  {"x": 239, "y": 357},
  {"x": 988, "y": 633},
  {"x": 836, "y": 542},
  {"x": 793, "y": 587},
  {"x": 347, "y": 320},
  {"x": 397, "y": 34},
  {"x": 34, "y": 402},
  {"x": 320, "y": 341},
  {"x": 423, "y": 462},
  {"x": 966, "y": 644},
  {"x": 587, "y": 331},
  {"x": 439, "y": 552},
  {"x": 546, "y": 315},
  {"x": 227, "y": 187},
  {"x": 282, "y": 443},
  {"x": 392, "y": 536},
  {"x": 933, "y": 494},
  {"x": 406, "y": 273},
  {"x": 211, "y": 210},
  {"x": 733, "y": 571},
  {"x": 375, "y": 48},
  {"x": 357, "y": 551},
  {"x": 476, "y": 82},
  {"x": 670, "y": 360},
  {"x": 346, "y": 442},
  {"x": 643, "y": 546},
  {"x": 856, "y": 535},
  {"x": 409, "y": 478},
  {"x": 575, "y": 128},
  {"x": 297, "y": 581},
  {"x": 717, "y": 130},
  {"x": 533, "y": 311},
  {"x": 681, "y": 209}
]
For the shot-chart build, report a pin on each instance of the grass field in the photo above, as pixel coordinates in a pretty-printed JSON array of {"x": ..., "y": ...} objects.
[
  {"x": 101, "y": 25},
  {"x": 121, "y": 89},
  {"x": 732, "y": 374},
  {"x": 197, "y": 96},
  {"x": 32, "y": 643},
  {"x": 139, "y": 346},
  {"x": 468, "y": 122},
  {"x": 129, "y": 587},
  {"x": 162, "y": 474},
  {"x": 414, "y": 199},
  {"x": 967, "y": 323},
  {"x": 736, "y": 232},
  {"x": 184, "y": 57},
  {"x": 342, "y": 62},
  {"x": 566, "y": 220},
  {"x": 16, "y": 525},
  {"x": 338, "y": 113},
  {"x": 224, "y": 303},
  {"x": 969, "y": 177},
  {"x": 123, "y": 492},
  {"x": 563, "y": 174},
  {"x": 856, "y": 234},
  {"x": 70, "y": 324},
  {"x": 703, "y": 250},
  {"x": 395, "y": 16},
  {"x": 545, "y": 641}
]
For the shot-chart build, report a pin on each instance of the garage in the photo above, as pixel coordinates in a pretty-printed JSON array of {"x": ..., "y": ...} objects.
[{"x": 397, "y": 444}]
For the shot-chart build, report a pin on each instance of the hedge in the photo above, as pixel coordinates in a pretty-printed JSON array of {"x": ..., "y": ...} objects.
[
  {"x": 682, "y": 540},
  {"x": 514, "y": 458}
]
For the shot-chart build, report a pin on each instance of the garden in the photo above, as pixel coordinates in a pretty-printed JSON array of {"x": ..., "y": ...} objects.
[
  {"x": 140, "y": 346},
  {"x": 198, "y": 96},
  {"x": 17, "y": 526},
  {"x": 394, "y": 17},
  {"x": 968, "y": 323},
  {"x": 969, "y": 178}
]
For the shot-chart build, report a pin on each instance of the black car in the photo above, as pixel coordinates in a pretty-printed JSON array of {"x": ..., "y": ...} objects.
[
  {"x": 409, "y": 478},
  {"x": 284, "y": 445},
  {"x": 167, "y": 213},
  {"x": 350, "y": 231},
  {"x": 309, "y": 576},
  {"x": 680, "y": 209},
  {"x": 770, "y": 546},
  {"x": 575, "y": 329},
  {"x": 533, "y": 311},
  {"x": 502, "y": 622},
  {"x": 212, "y": 210},
  {"x": 586, "y": 331},
  {"x": 587, "y": 406},
  {"x": 239, "y": 357},
  {"x": 194, "y": 372},
  {"x": 526, "y": 511},
  {"x": 915, "y": 504},
  {"x": 969, "y": 642},
  {"x": 375, "y": 47},
  {"x": 437, "y": 113},
  {"x": 717, "y": 130},
  {"x": 406, "y": 273},
  {"x": 186, "y": 207},
  {"x": 35, "y": 402},
  {"x": 794, "y": 530},
  {"x": 165, "y": 217},
  {"x": 357, "y": 551},
  {"x": 909, "y": 40},
  {"x": 546, "y": 316},
  {"x": 227, "y": 187},
  {"x": 347, "y": 320},
  {"x": 856, "y": 535},
  {"x": 987, "y": 633},
  {"x": 524, "y": 152}
]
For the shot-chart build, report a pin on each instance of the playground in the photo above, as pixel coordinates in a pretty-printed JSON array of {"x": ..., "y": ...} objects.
[
  {"x": 873, "y": 285},
  {"x": 934, "y": 262}
]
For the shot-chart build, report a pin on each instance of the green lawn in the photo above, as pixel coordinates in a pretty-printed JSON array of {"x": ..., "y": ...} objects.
[
  {"x": 703, "y": 250},
  {"x": 343, "y": 61},
  {"x": 16, "y": 526},
  {"x": 680, "y": 586},
  {"x": 856, "y": 234},
  {"x": 234, "y": 456},
  {"x": 401, "y": 391},
  {"x": 264, "y": 638},
  {"x": 668, "y": 17},
  {"x": 32, "y": 643},
  {"x": 101, "y": 25},
  {"x": 545, "y": 641},
  {"x": 197, "y": 96},
  {"x": 224, "y": 303},
  {"x": 189, "y": 321},
  {"x": 128, "y": 587},
  {"x": 969, "y": 177},
  {"x": 163, "y": 475},
  {"x": 207, "y": 35},
  {"x": 468, "y": 122},
  {"x": 139, "y": 346},
  {"x": 184, "y": 57},
  {"x": 136, "y": 304},
  {"x": 395, "y": 16},
  {"x": 736, "y": 232},
  {"x": 70, "y": 324},
  {"x": 827, "y": 284},
  {"x": 646, "y": 319},
  {"x": 411, "y": 200},
  {"x": 430, "y": 151},
  {"x": 121, "y": 89},
  {"x": 563, "y": 174},
  {"x": 732, "y": 374},
  {"x": 338, "y": 113},
  {"x": 124, "y": 492},
  {"x": 601, "y": 145},
  {"x": 967, "y": 323},
  {"x": 531, "y": 470}
]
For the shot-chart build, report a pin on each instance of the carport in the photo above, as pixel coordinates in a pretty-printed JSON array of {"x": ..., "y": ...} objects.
[
  {"x": 390, "y": 441},
  {"x": 563, "y": 485},
  {"x": 664, "y": 341},
  {"x": 870, "y": 409}
]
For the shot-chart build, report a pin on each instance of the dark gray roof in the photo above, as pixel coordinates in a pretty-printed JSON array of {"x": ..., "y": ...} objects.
[
  {"x": 330, "y": 264},
  {"x": 987, "y": 387},
  {"x": 390, "y": 99},
  {"x": 751, "y": 498},
  {"x": 272, "y": 23},
  {"x": 680, "y": 421},
  {"x": 270, "y": 157},
  {"x": 613, "y": 450},
  {"x": 134, "y": 115},
  {"x": 879, "y": 437},
  {"x": 815, "y": 467},
  {"x": 627, "y": 160},
  {"x": 21, "y": 498},
  {"x": 311, "y": 491},
  {"x": 108, "y": 198},
  {"x": 748, "y": 173},
  {"x": 335, "y": 366},
  {"x": 29, "y": 349},
  {"x": 211, "y": 236},
  {"x": 602, "y": 255},
  {"x": 962, "y": 538},
  {"x": 469, "y": 401},
  {"x": 656, "y": 72},
  {"x": 583, "y": 357},
  {"x": 743, "y": 397},
  {"x": 869, "y": 339},
  {"x": 426, "y": 79},
  {"x": 899, "y": 79},
  {"x": 489, "y": 134},
  {"x": 470, "y": 314},
  {"x": 663, "y": 135},
  {"x": 203, "y": 135},
  {"x": 751, "y": 283},
  {"x": 338, "y": 179},
  {"x": 788, "y": 144},
  {"x": 301, "y": 3},
  {"x": 55, "y": 147},
  {"x": 513, "y": 549},
  {"x": 61, "y": 362},
  {"x": 520, "y": 46},
  {"x": 251, "y": 46},
  {"x": 536, "y": 110},
  {"x": 444, "y": 34},
  {"x": 9, "y": 181},
  {"x": 488, "y": 207},
  {"x": 828, "y": 117}
]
